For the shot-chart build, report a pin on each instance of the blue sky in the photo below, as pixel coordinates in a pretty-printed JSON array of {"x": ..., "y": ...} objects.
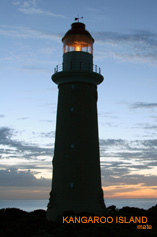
[{"x": 126, "y": 50}]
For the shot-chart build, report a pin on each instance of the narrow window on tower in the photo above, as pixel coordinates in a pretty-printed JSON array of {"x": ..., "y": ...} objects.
[
  {"x": 71, "y": 185},
  {"x": 72, "y": 109},
  {"x": 73, "y": 86},
  {"x": 72, "y": 146}
]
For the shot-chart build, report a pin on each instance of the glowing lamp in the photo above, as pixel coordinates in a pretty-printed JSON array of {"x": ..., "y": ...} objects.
[
  {"x": 78, "y": 47},
  {"x": 78, "y": 39}
]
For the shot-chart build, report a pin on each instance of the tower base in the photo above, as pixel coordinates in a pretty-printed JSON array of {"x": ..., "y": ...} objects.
[{"x": 59, "y": 208}]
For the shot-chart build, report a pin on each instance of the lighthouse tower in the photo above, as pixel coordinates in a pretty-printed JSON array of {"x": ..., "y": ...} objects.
[{"x": 76, "y": 182}]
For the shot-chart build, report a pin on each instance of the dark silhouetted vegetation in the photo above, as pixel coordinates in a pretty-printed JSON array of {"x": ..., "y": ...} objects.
[{"x": 15, "y": 222}]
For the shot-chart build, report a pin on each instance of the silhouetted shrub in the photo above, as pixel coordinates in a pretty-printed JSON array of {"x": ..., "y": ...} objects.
[{"x": 18, "y": 223}]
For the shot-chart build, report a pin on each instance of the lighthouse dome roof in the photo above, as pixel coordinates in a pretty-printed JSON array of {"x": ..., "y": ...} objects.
[{"x": 78, "y": 28}]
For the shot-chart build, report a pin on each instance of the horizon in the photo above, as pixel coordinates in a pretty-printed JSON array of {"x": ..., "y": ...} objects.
[
  {"x": 125, "y": 49},
  {"x": 30, "y": 205},
  {"x": 47, "y": 199}
]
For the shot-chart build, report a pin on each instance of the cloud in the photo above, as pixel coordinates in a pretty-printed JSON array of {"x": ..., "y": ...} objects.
[
  {"x": 118, "y": 148},
  {"x": 16, "y": 3},
  {"x": 46, "y": 121},
  {"x": 30, "y": 8},
  {"x": 27, "y": 33},
  {"x": 112, "y": 142},
  {"x": 2, "y": 115},
  {"x": 142, "y": 105},
  {"x": 128, "y": 162},
  {"x": 48, "y": 134},
  {"x": 110, "y": 178},
  {"x": 123, "y": 162},
  {"x": 15, "y": 178},
  {"x": 137, "y": 149},
  {"x": 150, "y": 143},
  {"x": 37, "y": 11},
  {"x": 154, "y": 127},
  {"x": 137, "y": 46},
  {"x": 145, "y": 126},
  {"x": 16, "y": 148},
  {"x": 5, "y": 135},
  {"x": 24, "y": 118},
  {"x": 107, "y": 115}
]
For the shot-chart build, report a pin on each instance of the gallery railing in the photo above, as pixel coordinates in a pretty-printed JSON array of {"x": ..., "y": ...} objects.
[{"x": 77, "y": 66}]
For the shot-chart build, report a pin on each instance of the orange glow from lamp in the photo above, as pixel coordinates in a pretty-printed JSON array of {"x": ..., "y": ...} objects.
[{"x": 78, "y": 48}]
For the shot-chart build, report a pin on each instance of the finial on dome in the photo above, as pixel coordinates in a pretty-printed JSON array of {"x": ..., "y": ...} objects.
[{"x": 78, "y": 18}]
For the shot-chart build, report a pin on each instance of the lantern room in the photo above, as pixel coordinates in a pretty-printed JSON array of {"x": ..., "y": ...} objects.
[{"x": 78, "y": 39}]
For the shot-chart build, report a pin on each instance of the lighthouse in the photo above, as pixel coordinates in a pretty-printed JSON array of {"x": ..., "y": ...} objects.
[{"x": 76, "y": 181}]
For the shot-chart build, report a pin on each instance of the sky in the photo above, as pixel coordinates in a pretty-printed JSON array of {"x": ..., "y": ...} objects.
[{"x": 125, "y": 49}]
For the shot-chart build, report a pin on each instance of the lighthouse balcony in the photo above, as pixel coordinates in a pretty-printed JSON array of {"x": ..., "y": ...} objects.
[{"x": 71, "y": 66}]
